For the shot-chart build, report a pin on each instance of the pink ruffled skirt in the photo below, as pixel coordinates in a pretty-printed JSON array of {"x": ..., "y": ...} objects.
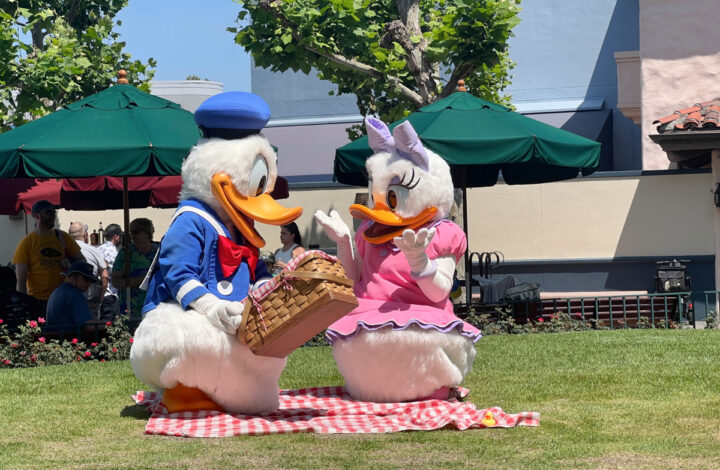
[{"x": 374, "y": 314}]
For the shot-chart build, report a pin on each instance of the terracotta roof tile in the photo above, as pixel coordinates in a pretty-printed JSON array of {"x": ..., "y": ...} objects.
[
  {"x": 666, "y": 119},
  {"x": 701, "y": 116},
  {"x": 691, "y": 109},
  {"x": 693, "y": 119},
  {"x": 711, "y": 118}
]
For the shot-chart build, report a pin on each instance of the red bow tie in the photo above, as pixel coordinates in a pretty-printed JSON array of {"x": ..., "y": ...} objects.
[{"x": 231, "y": 255}]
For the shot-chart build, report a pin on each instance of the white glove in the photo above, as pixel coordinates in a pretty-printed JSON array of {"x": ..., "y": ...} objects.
[
  {"x": 413, "y": 245},
  {"x": 334, "y": 226},
  {"x": 224, "y": 314},
  {"x": 339, "y": 232}
]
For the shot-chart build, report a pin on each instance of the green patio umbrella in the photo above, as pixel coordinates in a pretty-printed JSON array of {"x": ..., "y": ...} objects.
[
  {"x": 120, "y": 131},
  {"x": 481, "y": 140}
]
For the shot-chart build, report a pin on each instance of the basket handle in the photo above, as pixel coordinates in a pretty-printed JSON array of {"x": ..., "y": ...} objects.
[
  {"x": 316, "y": 275},
  {"x": 243, "y": 324}
]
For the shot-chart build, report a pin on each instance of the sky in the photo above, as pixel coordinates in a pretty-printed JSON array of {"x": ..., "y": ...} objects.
[{"x": 187, "y": 37}]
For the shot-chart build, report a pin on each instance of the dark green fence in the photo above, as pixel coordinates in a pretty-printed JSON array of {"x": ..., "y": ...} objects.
[{"x": 612, "y": 311}]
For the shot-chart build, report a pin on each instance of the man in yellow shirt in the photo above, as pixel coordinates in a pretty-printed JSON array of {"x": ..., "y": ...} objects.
[{"x": 43, "y": 255}]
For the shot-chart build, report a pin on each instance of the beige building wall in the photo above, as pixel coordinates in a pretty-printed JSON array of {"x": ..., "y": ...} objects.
[
  {"x": 594, "y": 218},
  {"x": 661, "y": 215},
  {"x": 651, "y": 215},
  {"x": 680, "y": 63}
]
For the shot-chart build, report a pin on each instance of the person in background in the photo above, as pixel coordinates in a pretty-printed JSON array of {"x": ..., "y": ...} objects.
[
  {"x": 15, "y": 307},
  {"x": 142, "y": 252},
  {"x": 110, "y": 307},
  {"x": 292, "y": 246},
  {"x": 67, "y": 307},
  {"x": 42, "y": 255},
  {"x": 113, "y": 240},
  {"x": 95, "y": 294}
]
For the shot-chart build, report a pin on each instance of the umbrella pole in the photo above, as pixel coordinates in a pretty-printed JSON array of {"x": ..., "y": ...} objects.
[
  {"x": 126, "y": 243},
  {"x": 468, "y": 270}
]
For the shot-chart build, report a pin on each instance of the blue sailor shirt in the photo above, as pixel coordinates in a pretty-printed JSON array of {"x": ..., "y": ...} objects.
[{"x": 188, "y": 265}]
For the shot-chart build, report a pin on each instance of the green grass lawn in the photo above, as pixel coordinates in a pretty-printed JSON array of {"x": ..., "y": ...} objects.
[{"x": 636, "y": 399}]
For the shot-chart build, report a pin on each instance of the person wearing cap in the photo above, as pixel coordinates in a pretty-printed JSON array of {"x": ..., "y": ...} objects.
[
  {"x": 42, "y": 255},
  {"x": 92, "y": 255},
  {"x": 67, "y": 308}
]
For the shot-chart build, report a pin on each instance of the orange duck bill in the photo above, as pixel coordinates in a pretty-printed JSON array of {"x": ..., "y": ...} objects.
[
  {"x": 387, "y": 224},
  {"x": 244, "y": 211}
]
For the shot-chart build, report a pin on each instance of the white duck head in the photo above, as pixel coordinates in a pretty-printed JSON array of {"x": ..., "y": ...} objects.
[
  {"x": 235, "y": 177},
  {"x": 409, "y": 185}
]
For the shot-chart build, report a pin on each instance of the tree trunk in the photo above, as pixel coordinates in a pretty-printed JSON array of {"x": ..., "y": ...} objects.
[
  {"x": 37, "y": 35},
  {"x": 409, "y": 11}
]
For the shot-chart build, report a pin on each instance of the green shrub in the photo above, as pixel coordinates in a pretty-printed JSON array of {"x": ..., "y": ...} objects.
[
  {"x": 502, "y": 321},
  {"x": 28, "y": 346},
  {"x": 711, "y": 320}
]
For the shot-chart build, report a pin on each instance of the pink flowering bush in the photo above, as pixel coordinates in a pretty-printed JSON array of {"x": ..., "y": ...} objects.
[{"x": 29, "y": 346}]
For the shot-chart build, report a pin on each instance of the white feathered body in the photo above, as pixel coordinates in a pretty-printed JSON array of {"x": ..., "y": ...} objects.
[
  {"x": 395, "y": 366},
  {"x": 173, "y": 345}
]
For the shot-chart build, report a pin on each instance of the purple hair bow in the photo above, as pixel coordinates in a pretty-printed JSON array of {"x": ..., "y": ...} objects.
[{"x": 404, "y": 141}]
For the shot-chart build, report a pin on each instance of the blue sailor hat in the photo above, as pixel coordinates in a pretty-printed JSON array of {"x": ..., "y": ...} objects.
[{"x": 232, "y": 115}]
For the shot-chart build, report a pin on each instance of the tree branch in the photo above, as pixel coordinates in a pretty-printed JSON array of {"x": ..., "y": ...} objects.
[
  {"x": 272, "y": 7},
  {"x": 415, "y": 57},
  {"x": 72, "y": 12},
  {"x": 37, "y": 35},
  {"x": 368, "y": 70}
]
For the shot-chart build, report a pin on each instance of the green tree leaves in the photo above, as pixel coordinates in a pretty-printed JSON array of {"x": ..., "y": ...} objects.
[
  {"x": 394, "y": 55},
  {"x": 55, "y": 52}
]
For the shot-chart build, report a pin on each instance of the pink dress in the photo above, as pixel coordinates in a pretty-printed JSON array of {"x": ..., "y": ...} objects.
[{"x": 389, "y": 296}]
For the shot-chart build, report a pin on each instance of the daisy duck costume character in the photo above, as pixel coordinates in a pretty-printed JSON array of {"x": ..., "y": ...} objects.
[
  {"x": 403, "y": 342},
  {"x": 186, "y": 345}
]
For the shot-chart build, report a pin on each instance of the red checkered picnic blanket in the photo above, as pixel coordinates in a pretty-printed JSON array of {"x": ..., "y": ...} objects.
[{"x": 329, "y": 410}]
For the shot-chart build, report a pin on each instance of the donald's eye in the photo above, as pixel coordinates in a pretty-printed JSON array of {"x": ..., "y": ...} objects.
[{"x": 258, "y": 176}]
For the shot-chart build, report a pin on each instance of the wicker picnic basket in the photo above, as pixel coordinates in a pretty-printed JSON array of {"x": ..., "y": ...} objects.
[{"x": 303, "y": 300}]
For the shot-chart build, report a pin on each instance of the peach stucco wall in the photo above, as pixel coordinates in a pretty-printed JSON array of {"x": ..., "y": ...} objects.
[{"x": 680, "y": 63}]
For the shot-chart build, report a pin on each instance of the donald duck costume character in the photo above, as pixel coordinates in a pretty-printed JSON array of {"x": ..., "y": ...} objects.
[
  {"x": 403, "y": 341},
  {"x": 186, "y": 344}
]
